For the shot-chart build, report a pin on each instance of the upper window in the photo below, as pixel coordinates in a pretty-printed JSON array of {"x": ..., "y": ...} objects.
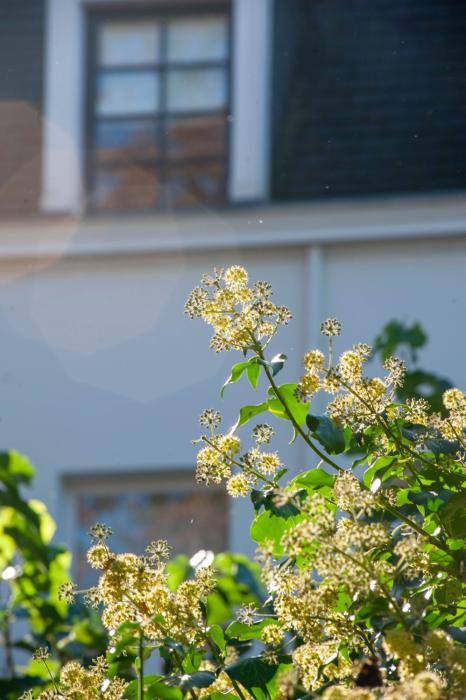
[{"x": 158, "y": 111}]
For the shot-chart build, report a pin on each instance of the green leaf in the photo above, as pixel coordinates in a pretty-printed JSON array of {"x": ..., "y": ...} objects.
[
  {"x": 199, "y": 679},
  {"x": 288, "y": 394},
  {"x": 248, "y": 412},
  {"x": 238, "y": 370},
  {"x": 266, "y": 499},
  {"x": 217, "y": 635},
  {"x": 238, "y": 630},
  {"x": 395, "y": 333},
  {"x": 314, "y": 479},
  {"x": 277, "y": 363},
  {"x": 192, "y": 661},
  {"x": 10, "y": 499},
  {"x": 442, "y": 447},
  {"x": 254, "y": 370},
  {"x": 15, "y": 465},
  {"x": 29, "y": 543},
  {"x": 267, "y": 526},
  {"x": 453, "y": 516},
  {"x": 252, "y": 672},
  {"x": 380, "y": 468},
  {"x": 327, "y": 433},
  {"x": 153, "y": 688}
]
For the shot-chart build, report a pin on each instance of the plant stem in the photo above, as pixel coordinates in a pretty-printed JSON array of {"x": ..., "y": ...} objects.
[
  {"x": 141, "y": 667},
  {"x": 50, "y": 674},
  {"x": 180, "y": 666},
  {"x": 295, "y": 424},
  {"x": 8, "y": 653},
  {"x": 392, "y": 509},
  {"x": 219, "y": 660},
  {"x": 243, "y": 467},
  {"x": 382, "y": 586},
  {"x": 413, "y": 524}
]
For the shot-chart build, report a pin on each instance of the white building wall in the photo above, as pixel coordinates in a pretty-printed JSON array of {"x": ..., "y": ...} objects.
[{"x": 101, "y": 371}]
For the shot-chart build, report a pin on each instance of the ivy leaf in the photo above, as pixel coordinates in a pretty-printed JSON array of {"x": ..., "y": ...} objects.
[
  {"x": 453, "y": 516},
  {"x": 442, "y": 447},
  {"x": 327, "y": 433},
  {"x": 199, "y": 679},
  {"x": 253, "y": 371},
  {"x": 252, "y": 672},
  {"x": 266, "y": 499},
  {"x": 248, "y": 412},
  {"x": 381, "y": 469},
  {"x": 216, "y": 633},
  {"x": 314, "y": 479},
  {"x": 153, "y": 688},
  {"x": 243, "y": 632},
  {"x": 277, "y": 363},
  {"x": 267, "y": 526},
  {"x": 237, "y": 372},
  {"x": 288, "y": 393}
]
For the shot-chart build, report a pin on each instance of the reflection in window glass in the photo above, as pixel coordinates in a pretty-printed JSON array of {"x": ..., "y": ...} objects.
[
  {"x": 196, "y": 137},
  {"x": 160, "y": 112},
  {"x": 126, "y": 140},
  {"x": 129, "y": 43},
  {"x": 127, "y": 188},
  {"x": 189, "y": 90},
  {"x": 130, "y": 92},
  {"x": 192, "y": 185},
  {"x": 197, "y": 39},
  {"x": 184, "y": 518}
]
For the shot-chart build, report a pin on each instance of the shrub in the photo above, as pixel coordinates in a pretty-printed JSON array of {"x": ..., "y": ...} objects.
[{"x": 362, "y": 555}]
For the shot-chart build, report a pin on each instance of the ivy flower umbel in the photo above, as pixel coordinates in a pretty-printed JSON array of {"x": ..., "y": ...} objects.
[
  {"x": 238, "y": 485},
  {"x": 240, "y": 315},
  {"x": 247, "y": 614},
  {"x": 157, "y": 550},
  {"x": 263, "y": 433},
  {"x": 272, "y": 635},
  {"x": 136, "y": 589},
  {"x": 99, "y": 533},
  {"x": 67, "y": 591},
  {"x": 92, "y": 683},
  {"x": 210, "y": 418},
  {"x": 330, "y": 327},
  {"x": 41, "y": 654}
]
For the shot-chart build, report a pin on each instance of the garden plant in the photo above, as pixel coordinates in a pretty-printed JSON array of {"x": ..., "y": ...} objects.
[{"x": 359, "y": 586}]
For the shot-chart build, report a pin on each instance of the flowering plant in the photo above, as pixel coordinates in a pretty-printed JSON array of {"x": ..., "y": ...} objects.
[{"x": 362, "y": 555}]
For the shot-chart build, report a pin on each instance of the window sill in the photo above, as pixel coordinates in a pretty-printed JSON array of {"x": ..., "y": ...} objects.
[{"x": 254, "y": 226}]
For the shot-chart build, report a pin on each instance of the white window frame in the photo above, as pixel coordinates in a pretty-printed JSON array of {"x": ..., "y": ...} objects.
[{"x": 63, "y": 174}]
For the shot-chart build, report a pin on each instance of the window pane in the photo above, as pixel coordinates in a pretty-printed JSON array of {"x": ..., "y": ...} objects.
[
  {"x": 197, "y": 39},
  {"x": 126, "y": 140},
  {"x": 122, "y": 43},
  {"x": 196, "y": 137},
  {"x": 132, "y": 92},
  {"x": 196, "y": 89},
  {"x": 192, "y": 186},
  {"x": 184, "y": 518},
  {"x": 126, "y": 188}
]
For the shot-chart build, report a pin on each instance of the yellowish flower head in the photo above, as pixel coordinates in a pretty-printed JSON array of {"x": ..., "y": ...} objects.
[{"x": 236, "y": 277}]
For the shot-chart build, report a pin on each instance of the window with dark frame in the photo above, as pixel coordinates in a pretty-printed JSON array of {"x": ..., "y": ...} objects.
[
  {"x": 158, "y": 112},
  {"x": 159, "y": 505}
]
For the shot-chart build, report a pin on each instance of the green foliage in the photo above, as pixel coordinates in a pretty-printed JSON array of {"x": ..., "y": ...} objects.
[
  {"x": 32, "y": 571},
  {"x": 418, "y": 383},
  {"x": 360, "y": 586}
]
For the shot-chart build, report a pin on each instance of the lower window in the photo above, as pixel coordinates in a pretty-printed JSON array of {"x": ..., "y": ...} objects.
[{"x": 141, "y": 508}]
